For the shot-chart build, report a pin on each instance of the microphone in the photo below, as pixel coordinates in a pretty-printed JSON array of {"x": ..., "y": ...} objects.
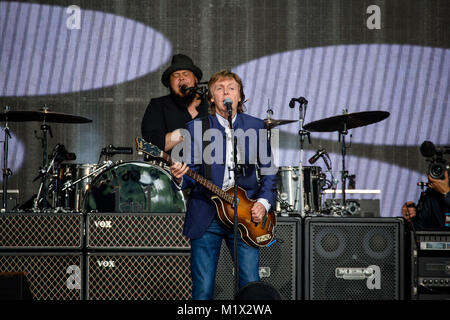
[
  {"x": 111, "y": 150},
  {"x": 300, "y": 100},
  {"x": 184, "y": 88},
  {"x": 318, "y": 154},
  {"x": 427, "y": 149},
  {"x": 229, "y": 104}
]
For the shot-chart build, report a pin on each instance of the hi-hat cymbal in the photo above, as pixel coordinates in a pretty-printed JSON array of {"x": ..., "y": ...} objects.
[
  {"x": 271, "y": 123},
  {"x": 41, "y": 116},
  {"x": 347, "y": 121}
]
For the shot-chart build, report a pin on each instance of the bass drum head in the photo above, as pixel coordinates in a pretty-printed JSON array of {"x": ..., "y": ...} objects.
[{"x": 133, "y": 187}]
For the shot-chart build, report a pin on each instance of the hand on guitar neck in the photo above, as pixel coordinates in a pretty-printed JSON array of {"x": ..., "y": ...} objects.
[{"x": 178, "y": 170}]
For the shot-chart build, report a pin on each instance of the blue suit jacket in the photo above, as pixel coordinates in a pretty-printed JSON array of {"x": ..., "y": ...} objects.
[{"x": 200, "y": 208}]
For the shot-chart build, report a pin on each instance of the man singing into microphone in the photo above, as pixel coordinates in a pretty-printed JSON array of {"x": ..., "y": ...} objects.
[
  {"x": 202, "y": 225},
  {"x": 164, "y": 115}
]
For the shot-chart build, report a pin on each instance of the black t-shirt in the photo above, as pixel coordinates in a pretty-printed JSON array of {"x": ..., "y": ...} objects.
[
  {"x": 431, "y": 210},
  {"x": 164, "y": 115}
]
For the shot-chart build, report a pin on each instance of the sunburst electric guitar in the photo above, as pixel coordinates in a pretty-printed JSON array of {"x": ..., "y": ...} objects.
[{"x": 254, "y": 234}]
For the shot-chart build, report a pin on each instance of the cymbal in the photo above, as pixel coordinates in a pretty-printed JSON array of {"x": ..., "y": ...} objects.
[
  {"x": 271, "y": 123},
  {"x": 350, "y": 120},
  {"x": 41, "y": 116}
]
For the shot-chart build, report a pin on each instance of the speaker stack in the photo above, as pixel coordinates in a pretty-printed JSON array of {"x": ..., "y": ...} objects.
[
  {"x": 46, "y": 250},
  {"x": 141, "y": 256},
  {"x": 353, "y": 258},
  {"x": 134, "y": 256},
  {"x": 280, "y": 264}
]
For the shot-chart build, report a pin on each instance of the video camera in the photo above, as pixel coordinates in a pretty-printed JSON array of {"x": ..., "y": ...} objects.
[{"x": 435, "y": 157}]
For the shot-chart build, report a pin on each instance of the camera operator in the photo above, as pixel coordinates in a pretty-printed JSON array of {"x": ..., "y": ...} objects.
[{"x": 433, "y": 205}]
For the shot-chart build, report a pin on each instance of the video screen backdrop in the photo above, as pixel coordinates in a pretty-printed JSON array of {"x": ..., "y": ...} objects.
[{"x": 103, "y": 60}]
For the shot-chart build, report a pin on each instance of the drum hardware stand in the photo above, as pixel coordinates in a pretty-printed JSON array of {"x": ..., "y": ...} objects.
[
  {"x": 269, "y": 113},
  {"x": 44, "y": 170},
  {"x": 6, "y": 171},
  {"x": 43, "y": 186},
  {"x": 344, "y": 172},
  {"x": 68, "y": 186},
  {"x": 302, "y": 133}
]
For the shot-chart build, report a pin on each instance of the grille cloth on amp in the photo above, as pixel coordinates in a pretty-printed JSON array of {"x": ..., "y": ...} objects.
[
  {"x": 40, "y": 231},
  {"x": 353, "y": 258},
  {"x": 138, "y": 276},
  {"x": 51, "y": 276},
  {"x": 279, "y": 265},
  {"x": 130, "y": 231}
]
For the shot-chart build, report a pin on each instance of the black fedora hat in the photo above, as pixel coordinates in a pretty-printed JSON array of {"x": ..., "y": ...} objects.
[{"x": 180, "y": 62}]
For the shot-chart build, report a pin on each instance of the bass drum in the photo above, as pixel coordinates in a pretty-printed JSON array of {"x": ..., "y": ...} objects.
[{"x": 134, "y": 187}]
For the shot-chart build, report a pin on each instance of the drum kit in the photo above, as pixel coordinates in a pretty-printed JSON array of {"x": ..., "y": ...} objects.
[
  {"x": 103, "y": 187},
  {"x": 137, "y": 186},
  {"x": 300, "y": 188}
]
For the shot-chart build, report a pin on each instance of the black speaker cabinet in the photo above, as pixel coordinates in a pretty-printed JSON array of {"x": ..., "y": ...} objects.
[
  {"x": 353, "y": 258},
  {"x": 50, "y": 276},
  {"x": 279, "y": 265},
  {"x": 41, "y": 231},
  {"x": 138, "y": 276},
  {"x": 136, "y": 231},
  {"x": 14, "y": 286}
]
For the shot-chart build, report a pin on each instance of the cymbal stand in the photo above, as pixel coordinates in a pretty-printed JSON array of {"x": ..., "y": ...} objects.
[
  {"x": 303, "y": 104},
  {"x": 269, "y": 113},
  {"x": 6, "y": 171},
  {"x": 344, "y": 172},
  {"x": 44, "y": 170}
]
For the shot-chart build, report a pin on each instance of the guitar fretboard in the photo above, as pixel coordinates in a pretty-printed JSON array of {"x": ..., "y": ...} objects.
[{"x": 203, "y": 181}]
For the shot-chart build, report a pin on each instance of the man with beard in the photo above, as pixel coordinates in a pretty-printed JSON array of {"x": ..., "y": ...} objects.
[{"x": 164, "y": 115}]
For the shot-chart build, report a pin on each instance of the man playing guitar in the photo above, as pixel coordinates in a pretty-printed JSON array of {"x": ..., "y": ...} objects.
[{"x": 202, "y": 225}]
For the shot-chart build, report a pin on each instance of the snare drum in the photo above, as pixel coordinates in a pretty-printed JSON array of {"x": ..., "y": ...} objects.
[
  {"x": 133, "y": 187},
  {"x": 288, "y": 199}
]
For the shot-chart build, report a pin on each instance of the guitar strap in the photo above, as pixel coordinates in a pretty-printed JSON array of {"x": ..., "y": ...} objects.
[{"x": 207, "y": 170}]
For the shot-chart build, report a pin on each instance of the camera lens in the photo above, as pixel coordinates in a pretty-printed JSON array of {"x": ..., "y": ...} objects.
[{"x": 436, "y": 171}]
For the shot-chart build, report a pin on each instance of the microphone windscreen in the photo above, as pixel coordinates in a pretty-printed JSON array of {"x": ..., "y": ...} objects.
[
  {"x": 427, "y": 149},
  {"x": 227, "y": 101}
]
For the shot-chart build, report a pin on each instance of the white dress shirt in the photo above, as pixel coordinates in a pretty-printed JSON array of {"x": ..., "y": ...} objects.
[{"x": 228, "y": 178}]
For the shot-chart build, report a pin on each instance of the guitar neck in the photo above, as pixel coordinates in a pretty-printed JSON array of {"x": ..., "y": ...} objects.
[{"x": 203, "y": 181}]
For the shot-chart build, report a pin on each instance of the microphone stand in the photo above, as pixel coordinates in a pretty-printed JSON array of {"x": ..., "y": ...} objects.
[
  {"x": 302, "y": 133},
  {"x": 236, "y": 171}
]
